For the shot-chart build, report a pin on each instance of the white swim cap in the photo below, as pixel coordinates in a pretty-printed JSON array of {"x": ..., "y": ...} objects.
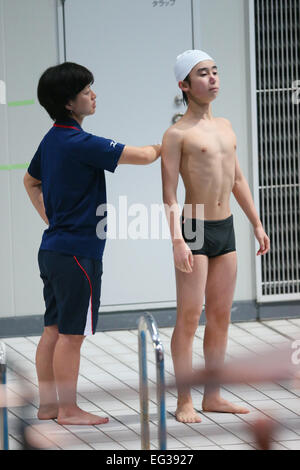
[{"x": 186, "y": 61}]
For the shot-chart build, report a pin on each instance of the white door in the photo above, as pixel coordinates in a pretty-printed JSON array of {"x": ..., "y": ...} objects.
[{"x": 131, "y": 47}]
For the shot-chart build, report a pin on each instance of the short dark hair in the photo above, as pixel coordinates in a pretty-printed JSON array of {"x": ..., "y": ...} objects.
[
  {"x": 60, "y": 84},
  {"x": 184, "y": 95}
]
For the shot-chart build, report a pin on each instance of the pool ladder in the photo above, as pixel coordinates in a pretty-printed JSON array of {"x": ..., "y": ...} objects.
[
  {"x": 3, "y": 409},
  {"x": 148, "y": 323}
]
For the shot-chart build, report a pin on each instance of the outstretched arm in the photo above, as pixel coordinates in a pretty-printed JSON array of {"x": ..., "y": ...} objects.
[{"x": 139, "y": 155}]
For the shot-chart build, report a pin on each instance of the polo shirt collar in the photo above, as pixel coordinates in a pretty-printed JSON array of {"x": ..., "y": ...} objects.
[{"x": 68, "y": 122}]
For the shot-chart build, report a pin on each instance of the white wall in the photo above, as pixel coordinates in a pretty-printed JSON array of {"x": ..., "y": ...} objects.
[{"x": 28, "y": 45}]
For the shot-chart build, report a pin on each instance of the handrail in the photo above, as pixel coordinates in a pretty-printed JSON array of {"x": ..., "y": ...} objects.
[
  {"x": 147, "y": 322},
  {"x": 3, "y": 410}
]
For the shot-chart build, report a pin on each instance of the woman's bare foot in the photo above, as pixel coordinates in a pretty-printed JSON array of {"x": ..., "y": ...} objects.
[
  {"x": 47, "y": 412},
  {"x": 77, "y": 416},
  {"x": 186, "y": 413},
  {"x": 220, "y": 405}
]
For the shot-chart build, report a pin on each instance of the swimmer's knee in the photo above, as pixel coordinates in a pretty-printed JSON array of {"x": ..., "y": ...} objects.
[
  {"x": 189, "y": 320},
  {"x": 219, "y": 318}
]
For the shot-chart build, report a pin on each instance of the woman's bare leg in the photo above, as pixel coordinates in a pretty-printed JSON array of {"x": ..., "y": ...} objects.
[
  {"x": 48, "y": 408},
  {"x": 66, "y": 370}
]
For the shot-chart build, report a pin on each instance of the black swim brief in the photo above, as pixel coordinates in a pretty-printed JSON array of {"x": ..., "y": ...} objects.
[{"x": 209, "y": 237}]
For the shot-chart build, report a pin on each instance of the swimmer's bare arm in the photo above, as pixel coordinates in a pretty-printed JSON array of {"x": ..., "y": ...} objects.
[
  {"x": 139, "y": 155},
  {"x": 34, "y": 190},
  {"x": 170, "y": 165},
  {"x": 242, "y": 194}
]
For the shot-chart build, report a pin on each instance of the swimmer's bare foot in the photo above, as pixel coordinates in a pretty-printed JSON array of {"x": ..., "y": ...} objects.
[
  {"x": 77, "y": 416},
  {"x": 186, "y": 413},
  {"x": 263, "y": 430},
  {"x": 220, "y": 405},
  {"x": 47, "y": 412}
]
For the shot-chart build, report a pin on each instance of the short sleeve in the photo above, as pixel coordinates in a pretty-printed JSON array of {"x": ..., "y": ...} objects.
[
  {"x": 34, "y": 168},
  {"x": 97, "y": 152}
]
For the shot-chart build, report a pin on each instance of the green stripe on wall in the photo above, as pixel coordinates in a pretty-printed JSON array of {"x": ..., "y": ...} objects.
[
  {"x": 17, "y": 166},
  {"x": 20, "y": 103}
]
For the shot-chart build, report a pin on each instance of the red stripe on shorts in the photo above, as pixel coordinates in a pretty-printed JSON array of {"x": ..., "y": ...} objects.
[{"x": 90, "y": 290}]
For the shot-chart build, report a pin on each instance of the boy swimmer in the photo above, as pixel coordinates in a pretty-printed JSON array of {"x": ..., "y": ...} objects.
[{"x": 202, "y": 149}]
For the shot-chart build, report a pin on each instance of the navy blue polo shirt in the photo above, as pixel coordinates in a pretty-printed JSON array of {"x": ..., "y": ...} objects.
[{"x": 70, "y": 163}]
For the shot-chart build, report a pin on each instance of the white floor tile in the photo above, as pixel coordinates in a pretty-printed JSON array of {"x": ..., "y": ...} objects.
[
  {"x": 108, "y": 385},
  {"x": 291, "y": 445}
]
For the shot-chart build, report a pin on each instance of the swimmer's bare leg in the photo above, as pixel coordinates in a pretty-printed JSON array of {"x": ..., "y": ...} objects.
[
  {"x": 220, "y": 285},
  {"x": 190, "y": 297}
]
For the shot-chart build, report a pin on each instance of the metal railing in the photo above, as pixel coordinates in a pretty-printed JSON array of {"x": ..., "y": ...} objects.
[
  {"x": 3, "y": 409},
  {"x": 147, "y": 322}
]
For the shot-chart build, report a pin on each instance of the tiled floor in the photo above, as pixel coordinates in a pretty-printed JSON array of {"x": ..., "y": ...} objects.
[{"x": 109, "y": 386}]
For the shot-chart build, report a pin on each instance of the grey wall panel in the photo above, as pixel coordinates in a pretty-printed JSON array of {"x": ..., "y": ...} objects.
[
  {"x": 31, "y": 47},
  {"x": 27, "y": 230},
  {"x": 6, "y": 266},
  {"x": 28, "y": 47}
]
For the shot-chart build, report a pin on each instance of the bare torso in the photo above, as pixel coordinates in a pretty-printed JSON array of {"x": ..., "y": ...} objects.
[{"x": 208, "y": 167}]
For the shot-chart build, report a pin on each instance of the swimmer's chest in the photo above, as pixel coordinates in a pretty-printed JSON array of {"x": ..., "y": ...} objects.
[{"x": 215, "y": 147}]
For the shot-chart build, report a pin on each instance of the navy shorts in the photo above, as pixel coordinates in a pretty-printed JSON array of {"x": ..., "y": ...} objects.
[
  {"x": 72, "y": 289},
  {"x": 209, "y": 237}
]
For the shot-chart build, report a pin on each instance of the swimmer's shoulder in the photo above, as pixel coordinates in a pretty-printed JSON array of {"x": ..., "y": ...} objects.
[
  {"x": 226, "y": 124},
  {"x": 174, "y": 133},
  {"x": 179, "y": 129},
  {"x": 224, "y": 121}
]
